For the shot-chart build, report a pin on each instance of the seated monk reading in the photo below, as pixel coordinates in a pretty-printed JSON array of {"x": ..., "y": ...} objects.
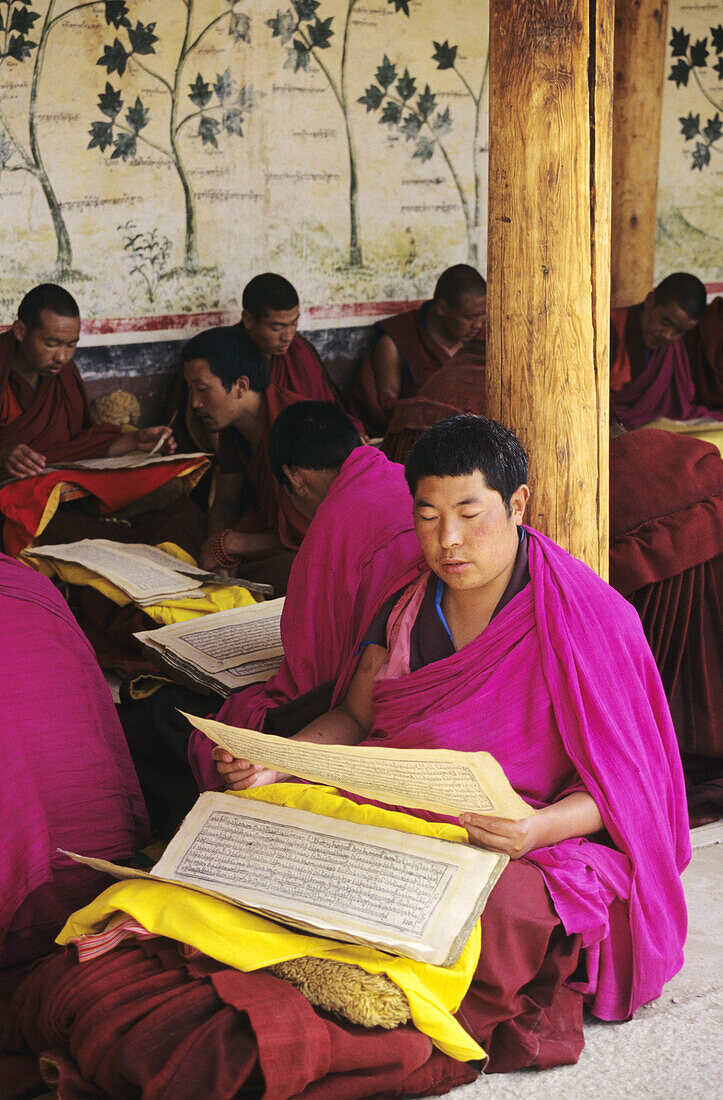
[
  {"x": 650, "y": 372},
  {"x": 508, "y": 644},
  {"x": 413, "y": 345},
  {"x": 45, "y": 421},
  {"x": 270, "y": 319},
  {"x": 503, "y": 643},
  {"x": 253, "y": 527}
]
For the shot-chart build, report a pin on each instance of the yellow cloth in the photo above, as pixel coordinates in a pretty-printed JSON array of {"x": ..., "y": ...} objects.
[
  {"x": 248, "y": 942},
  {"x": 216, "y": 597}
]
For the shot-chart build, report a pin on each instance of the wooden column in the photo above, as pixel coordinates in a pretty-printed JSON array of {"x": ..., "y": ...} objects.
[
  {"x": 639, "y": 61},
  {"x": 548, "y": 256}
]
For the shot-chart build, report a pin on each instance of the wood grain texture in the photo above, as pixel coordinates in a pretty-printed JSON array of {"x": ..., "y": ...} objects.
[
  {"x": 640, "y": 36},
  {"x": 548, "y": 250}
]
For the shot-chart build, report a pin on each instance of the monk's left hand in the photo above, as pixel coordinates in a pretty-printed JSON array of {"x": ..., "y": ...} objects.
[
  {"x": 160, "y": 437},
  {"x": 499, "y": 834}
]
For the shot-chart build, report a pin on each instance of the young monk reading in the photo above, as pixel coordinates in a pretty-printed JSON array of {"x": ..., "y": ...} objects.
[{"x": 505, "y": 643}]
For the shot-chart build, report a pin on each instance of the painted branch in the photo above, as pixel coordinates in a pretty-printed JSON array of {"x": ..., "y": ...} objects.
[
  {"x": 640, "y": 35},
  {"x": 548, "y": 256}
]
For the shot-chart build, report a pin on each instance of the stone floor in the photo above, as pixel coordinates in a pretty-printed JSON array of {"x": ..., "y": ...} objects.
[{"x": 672, "y": 1048}]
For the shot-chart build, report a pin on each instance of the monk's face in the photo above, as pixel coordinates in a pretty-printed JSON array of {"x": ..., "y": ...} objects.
[
  {"x": 467, "y": 535},
  {"x": 46, "y": 348},
  {"x": 463, "y": 320},
  {"x": 274, "y": 332},
  {"x": 661, "y": 325},
  {"x": 212, "y": 403}
]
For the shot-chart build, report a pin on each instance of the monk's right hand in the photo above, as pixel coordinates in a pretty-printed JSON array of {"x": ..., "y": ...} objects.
[
  {"x": 237, "y": 775},
  {"x": 23, "y": 461}
]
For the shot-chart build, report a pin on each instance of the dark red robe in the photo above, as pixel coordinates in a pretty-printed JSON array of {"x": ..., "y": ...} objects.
[{"x": 301, "y": 370}]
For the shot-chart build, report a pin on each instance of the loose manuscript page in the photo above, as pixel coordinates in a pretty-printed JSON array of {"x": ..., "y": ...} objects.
[
  {"x": 142, "y": 576},
  {"x": 221, "y": 641},
  {"x": 439, "y": 780},
  {"x": 132, "y": 461}
]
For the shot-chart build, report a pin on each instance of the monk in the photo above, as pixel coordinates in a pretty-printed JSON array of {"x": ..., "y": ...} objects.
[
  {"x": 360, "y": 534},
  {"x": 650, "y": 373},
  {"x": 252, "y": 526},
  {"x": 67, "y": 780},
  {"x": 45, "y": 421},
  {"x": 505, "y": 643},
  {"x": 412, "y": 345},
  {"x": 270, "y": 318},
  {"x": 666, "y": 558},
  {"x": 457, "y": 387}
]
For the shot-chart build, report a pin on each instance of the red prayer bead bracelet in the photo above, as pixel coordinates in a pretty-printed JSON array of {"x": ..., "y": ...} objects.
[{"x": 218, "y": 549}]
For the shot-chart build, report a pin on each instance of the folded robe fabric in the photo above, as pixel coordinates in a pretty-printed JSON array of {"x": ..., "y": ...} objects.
[{"x": 250, "y": 942}]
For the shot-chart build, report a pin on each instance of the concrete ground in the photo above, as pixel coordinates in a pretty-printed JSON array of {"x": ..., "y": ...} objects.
[{"x": 672, "y": 1048}]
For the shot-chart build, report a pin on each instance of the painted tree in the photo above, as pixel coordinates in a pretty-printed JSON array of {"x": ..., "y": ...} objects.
[
  {"x": 694, "y": 59},
  {"x": 217, "y": 106},
  {"x": 309, "y": 36},
  {"x": 422, "y": 121},
  {"x": 23, "y": 153}
]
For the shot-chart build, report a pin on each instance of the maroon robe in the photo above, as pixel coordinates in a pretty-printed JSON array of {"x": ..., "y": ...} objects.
[{"x": 301, "y": 370}]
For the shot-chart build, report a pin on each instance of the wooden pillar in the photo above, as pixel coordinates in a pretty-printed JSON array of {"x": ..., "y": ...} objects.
[
  {"x": 639, "y": 61},
  {"x": 548, "y": 256}
]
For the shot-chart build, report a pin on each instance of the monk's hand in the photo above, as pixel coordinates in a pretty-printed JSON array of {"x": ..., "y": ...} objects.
[
  {"x": 158, "y": 439},
  {"x": 23, "y": 461},
  {"x": 499, "y": 834},
  {"x": 240, "y": 774}
]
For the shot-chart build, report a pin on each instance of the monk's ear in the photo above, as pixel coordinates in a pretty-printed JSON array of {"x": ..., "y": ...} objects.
[
  {"x": 247, "y": 319},
  {"x": 241, "y": 386},
  {"x": 518, "y": 503},
  {"x": 20, "y": 330},
  {"x": 295, "y": 478}
]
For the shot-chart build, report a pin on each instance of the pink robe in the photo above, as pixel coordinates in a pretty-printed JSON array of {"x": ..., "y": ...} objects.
[
  {"x": 359, "y": 549},
  {"x": 562, "y": 689}
]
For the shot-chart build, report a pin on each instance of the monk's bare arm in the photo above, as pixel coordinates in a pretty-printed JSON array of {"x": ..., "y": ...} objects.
[
  {"x": 576, "y": 815},
  {"x": 387, "y": 367},
  {"x": 225, "y": 508},
  {"x": 21, "y": 461},
  {"x": 159, "y": 438},
  {"x": 348, "y": 724}
]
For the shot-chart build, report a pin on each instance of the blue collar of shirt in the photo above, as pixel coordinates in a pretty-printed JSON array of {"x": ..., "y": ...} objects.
[{"x": 439, "y": 591}]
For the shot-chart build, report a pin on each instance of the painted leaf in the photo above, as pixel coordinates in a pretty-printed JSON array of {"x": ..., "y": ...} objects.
[
  {"x": 246, "y": 97},
  {"x": 305, "y": 9},
  {"x": 372, "y": 98},
  {"x": 232, "y": 120},
  {"x": 442, "y": 122},
  {"x": 297, "y": 56},
  {"x": 424, "y": 150},
  {"x": 20, "y": 47},
  {"x": 137, "y": 116},
  {"x": 207, "y": 130},
  {"x": 116, "y": 14},
  {"x": 391, "y": 114},
  {"x": 110, "y": 101},
  {"x": 719, "y": 67},
  {"x": 386, "y": 73},
  {"x": 679, "y": 42},
  {"x": 101, "y": 135},
  {"x": 115, "y": 58},
  {"x": 283, "y": 25},
  {"x": 411, "y": 127},
  {"x": 689, "y": 126},
  {"x": 6, "y": 150},
  {"x": 713, "y": 129},
  {"x": 679, "y": 73},
  {"x": 716, "y": 38},
  {"x": 699, "y": 53},
  {"x": 240, "y": 27},
  {"x": 400, "y": 5},
  {"x": 142, "y": 37},
  {"x": 200, "y": 92},
  {"x": 223, "y": 85},
  {"x": 701, "y": 156},
  {"x": 426, "y": 102},
  {"x": 124, "y": 147},
  {"x": 406, "y": 86},
  {"x": 444, "y": 54},
  {"x": 320, "y": 33},
  {"x": 22, "y": 20}
]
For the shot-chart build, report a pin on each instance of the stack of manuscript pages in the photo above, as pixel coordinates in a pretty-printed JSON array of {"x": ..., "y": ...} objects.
[
  {"x": 412, "y": 895},
  {"x": 226, "y": 650}
]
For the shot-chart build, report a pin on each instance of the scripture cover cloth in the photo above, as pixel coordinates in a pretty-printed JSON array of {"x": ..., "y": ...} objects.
[
  {"x": 360, "y": 547},
  {"x": 662, "y": 387},
  {"x": 562, "y": 687},
  {"x": 453, "y": 389},
  {"x": 67, "y": 780}
]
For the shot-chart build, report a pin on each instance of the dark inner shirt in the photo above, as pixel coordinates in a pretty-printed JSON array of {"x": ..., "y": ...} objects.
[{"x": 430, "y": 639}]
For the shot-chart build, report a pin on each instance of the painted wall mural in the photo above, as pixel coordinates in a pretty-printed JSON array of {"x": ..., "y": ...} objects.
[
  {"x": 690, "y": 188},
  {"x": 155, "y": 156}
]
